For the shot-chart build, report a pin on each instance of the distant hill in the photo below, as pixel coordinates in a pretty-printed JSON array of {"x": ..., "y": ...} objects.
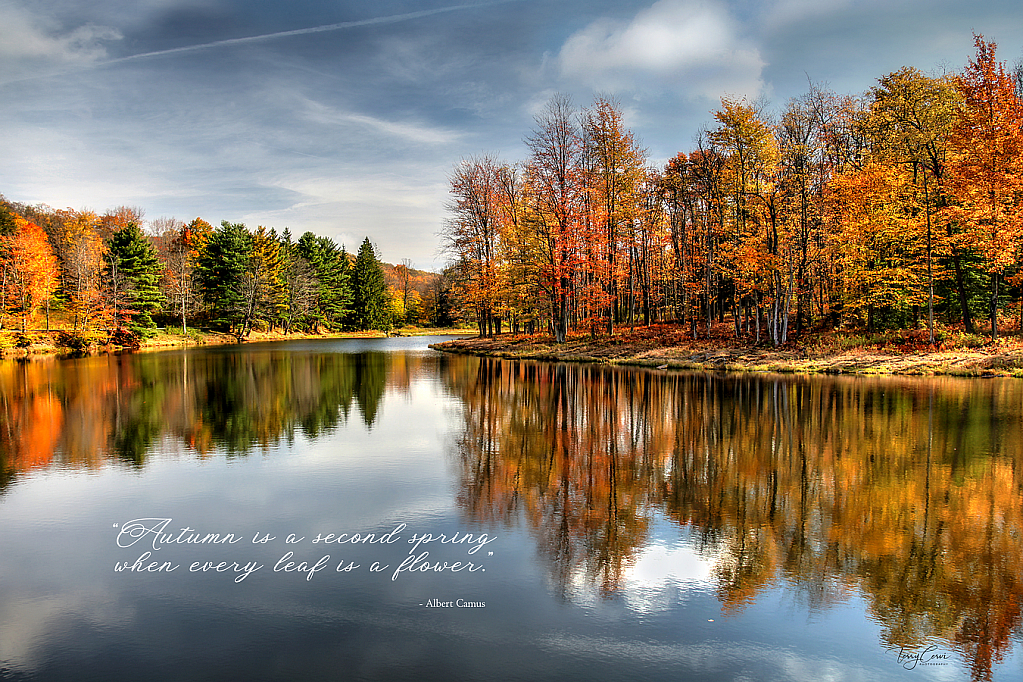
[{"x": 419, "y": 280}]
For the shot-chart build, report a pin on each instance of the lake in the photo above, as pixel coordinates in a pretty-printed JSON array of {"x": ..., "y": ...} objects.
[{"x": 375, "y": 510}]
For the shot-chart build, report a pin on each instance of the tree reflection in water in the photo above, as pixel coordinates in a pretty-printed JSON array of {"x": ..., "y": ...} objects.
[
  {"x": 906, "y": 491},
  {"x": 83, "y": 412}
]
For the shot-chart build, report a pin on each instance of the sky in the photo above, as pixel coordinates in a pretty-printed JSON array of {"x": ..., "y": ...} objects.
[{"x": 346, "y": 118}]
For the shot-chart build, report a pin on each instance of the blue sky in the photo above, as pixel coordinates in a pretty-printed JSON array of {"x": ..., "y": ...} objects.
[{"x": 345, "y": 118}]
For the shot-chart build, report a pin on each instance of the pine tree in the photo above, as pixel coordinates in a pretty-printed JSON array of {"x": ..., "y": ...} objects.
[
  {"x": 221, "y": 265},
  {"x": 372, "y": 308},
  {"x": 135, "y": 270},
  {"x": 333, "y": 273}
]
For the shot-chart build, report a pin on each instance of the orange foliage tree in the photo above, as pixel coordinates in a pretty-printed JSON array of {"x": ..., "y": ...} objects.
[
  {"x": 557, "y": 192},
  {"x": 614, "y": 172},
  {"x": 31, "y": 269},
  {"x": 472, "y": 235},
  {"x": 986, "y": 167}
]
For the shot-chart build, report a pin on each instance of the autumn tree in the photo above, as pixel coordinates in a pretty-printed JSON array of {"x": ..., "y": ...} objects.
[
  {"x": 986, "y": 165},
  {"x": 7, "y": 224},
  {"x": 804, "y": 174},
  {"x": 78, "y": 244},
  {"x": 182, "y": 248},
  {"x": 647, "y": 258},
  {"x": 910, "y": 119},
  {"x": 30, "y": 269},
  {"x": 707, "y": 166},
  {"x": 472, "y": 235},
  {"x": 615, "y": 170},
  {"x": 557, "y": 192},
  {"x": 261, "y": 286},
  {"x": 680, "y": 201},
  {"x": 757, "y": 246},
  {"x": 403, "y": 272},
  {"x": 7, "y": 229},
  {"x": 519, "y": 277},
  {"x": 881, "y": 241},
  {"x": 118, "y": 218}
]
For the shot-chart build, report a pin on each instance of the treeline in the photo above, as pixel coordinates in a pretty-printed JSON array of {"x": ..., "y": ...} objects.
[
  {"x": 103, "y": 272},
  {"x": 897, "y": 209}
]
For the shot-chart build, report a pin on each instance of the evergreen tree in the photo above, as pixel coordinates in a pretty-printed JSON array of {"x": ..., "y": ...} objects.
[
  {"x": 221, "y": 265},
  {"x": 333, "y": 273},
  {"x": 134, "y": 270},
  {"x": 372, "y": 305}
]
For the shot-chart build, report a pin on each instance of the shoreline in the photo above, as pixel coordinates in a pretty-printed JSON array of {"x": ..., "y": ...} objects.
[
  {"x": 1001, "y": 359},
  {"x": 657, "y": 348},
  {"x": 46, "y": 345}
]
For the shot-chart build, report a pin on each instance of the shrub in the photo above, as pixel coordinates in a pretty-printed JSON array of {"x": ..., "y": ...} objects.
[
  {"x": 72, "y": 340},
  {"x": 122, "y": 337}
]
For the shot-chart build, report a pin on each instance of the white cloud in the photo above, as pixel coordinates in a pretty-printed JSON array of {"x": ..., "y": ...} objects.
[
  {"x": 31, "y": 46},
  {"x": 674, "y": 43},
  {"x": 408, "y": 132}
]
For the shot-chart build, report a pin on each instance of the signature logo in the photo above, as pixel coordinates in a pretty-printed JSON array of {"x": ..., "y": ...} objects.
[{"x": 909, "y": 658}]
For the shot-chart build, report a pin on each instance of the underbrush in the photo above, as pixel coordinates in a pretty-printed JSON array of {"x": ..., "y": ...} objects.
[{"x": 908, "y": 341}]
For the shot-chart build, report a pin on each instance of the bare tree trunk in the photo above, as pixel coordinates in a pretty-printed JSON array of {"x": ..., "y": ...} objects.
[
  {"x": 930, "y": 272},
  {"x": 994, "y": 308}
]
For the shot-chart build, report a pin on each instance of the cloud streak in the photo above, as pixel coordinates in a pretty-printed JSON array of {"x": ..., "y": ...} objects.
[{"x": 376, "y": 21}]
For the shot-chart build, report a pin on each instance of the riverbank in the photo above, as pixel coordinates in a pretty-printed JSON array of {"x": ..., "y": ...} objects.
[
  {"x": 14, "y": 344},
  {"x": 667, "y": 347}
]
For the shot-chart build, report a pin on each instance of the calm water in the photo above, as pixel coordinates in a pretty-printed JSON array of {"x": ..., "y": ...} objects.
[{"x": 580, "y": 523}]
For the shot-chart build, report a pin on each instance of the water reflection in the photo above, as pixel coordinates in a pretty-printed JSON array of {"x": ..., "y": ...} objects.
[
  {"x": 905, "y": 491},
  {"x": 82, "y": 412}
]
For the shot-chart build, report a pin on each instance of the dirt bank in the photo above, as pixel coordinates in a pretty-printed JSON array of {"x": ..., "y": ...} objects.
[{"x": 669, "y": 349}]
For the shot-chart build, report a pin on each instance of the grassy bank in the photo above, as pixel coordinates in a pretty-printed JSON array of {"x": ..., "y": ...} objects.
[
  {"x": 16, "y": 344},
  {"x": 668, "y": 347}
]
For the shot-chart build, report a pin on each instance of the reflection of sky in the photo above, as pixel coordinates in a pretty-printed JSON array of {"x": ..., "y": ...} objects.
[{"x": 666, "y": 570}]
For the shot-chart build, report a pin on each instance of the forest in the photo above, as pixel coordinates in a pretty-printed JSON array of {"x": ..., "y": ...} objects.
[
  {"x": 898, "y": 209},
  {"x": 90, "y": 276}
]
